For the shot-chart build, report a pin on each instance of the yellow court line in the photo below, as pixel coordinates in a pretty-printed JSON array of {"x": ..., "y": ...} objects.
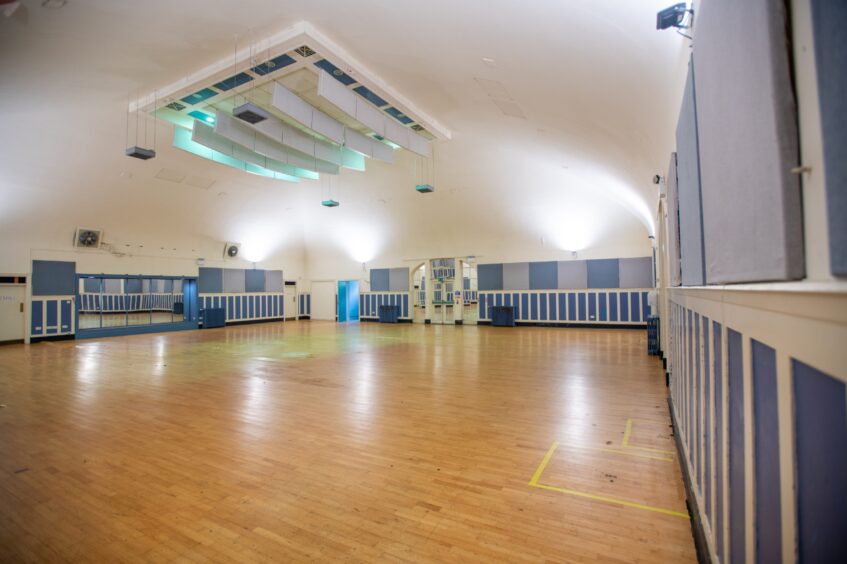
[
  {"x": 546, "y": 460},
  {"x": 628, "y": 433},
  {"x": 625, "y": 452},
  {"x": 613, "y": 500}
]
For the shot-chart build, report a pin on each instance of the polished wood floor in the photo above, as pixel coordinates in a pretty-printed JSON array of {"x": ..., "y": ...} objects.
[{"x": 311, "y": 440}]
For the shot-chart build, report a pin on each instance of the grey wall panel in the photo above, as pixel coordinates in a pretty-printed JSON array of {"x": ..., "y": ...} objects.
[
  {"x": 210, "y": 281},
  {"x": 53, "y": 278},
  {"x": 543, "y": 275},
  {"x": 636, "y": 272},
  {"x": 830, "y": 21},
  {"x": 688, "y": 188},
  {"x": 516, "y": 276},
  {"x": 398, "y": 279},
  {"x": 380, "y": 280},
  {"x": 604, "y": 273},
  {"x": 112, "y": 286},
  {"x": 136, "y": 286},
  {"x": 747, "y": 125},
  {"x": 273, "y": 281},
  {"x": 674, "y": 272},
  {"x": 91, "y": 285},
  {"x": 254, "y": 280},
  {"x": 234, "y": 281},
  {"x": 572, "y": 274},
  {"x": 490, "y": 276}
]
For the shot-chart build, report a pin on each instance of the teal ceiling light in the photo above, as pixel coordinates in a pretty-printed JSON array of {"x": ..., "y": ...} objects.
[
  {"x": 203, "y": 116},
  {"x": 330, "y": 203},
  {"x": 425, "y": 188},
  {"x": 182, "y": 140}
]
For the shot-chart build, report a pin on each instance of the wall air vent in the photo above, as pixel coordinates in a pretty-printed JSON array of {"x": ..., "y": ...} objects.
[
  {"x": 251, "y": 113},
  {"x": 330, "y": 204},
  {"x": 231, "y": 250},
  {"x": 304, "y": 51},
  {"x": 176, "y": 106},
  {"x": 88, "y": 238}
]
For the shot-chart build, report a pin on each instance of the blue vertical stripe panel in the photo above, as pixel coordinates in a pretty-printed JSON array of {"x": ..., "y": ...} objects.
[
  {"x": 563, "y": 308},
  {"x": 309, "y": 304},
  {"x": 624, "y": 306},
  {"x": 251, "y": 300},
  {"x": 498, "y": 300},
  {"x": 237, "y": 308},
  {"x": 766, "y": 455},
  {"x": 230, "y": 314},
  {"x": 592, "y": 307},
  {"x": 717, "y": 340},
  {"x": 37, "y": 317},
  {"x": 483, "y": 312},
  {"x": 581, "y": 302},
  {"x": 244, "y": 307},
  {"x": 689, "y": 340},
  {"x": 551, "y": 302},
  {"x": 737, "y": 513},
  {"x": 707, "y": 421},
  {"x": 516, "y": 304},
  {"x": 698, "y": 435},
  {"x": 542, "y": 307},
  {"x": 645, "y": 306},
  {"x": 613, "y": 307},
  {"x": 524, "y": 306},
  {"x": 636, "y": 306},
  {"x": 507, "y": 300},
  {"x": 821, "y": 438},
  {"x": 601, "y": 298},
  {"x": 405, "y": 305},
  {"x": 65, "y": 311},
  {"x": 571, "y": 307},
  {"x": 533, "y": 300}
]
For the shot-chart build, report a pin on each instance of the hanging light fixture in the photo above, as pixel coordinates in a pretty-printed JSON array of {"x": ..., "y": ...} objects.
[{"x": 136, "y": 151}]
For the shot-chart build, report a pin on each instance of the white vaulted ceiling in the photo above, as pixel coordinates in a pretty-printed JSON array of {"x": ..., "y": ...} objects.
[{"x": 560, "y": 114}]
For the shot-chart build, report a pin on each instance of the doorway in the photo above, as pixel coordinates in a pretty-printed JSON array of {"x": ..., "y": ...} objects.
[
  {"x": 348, "y": 300},
  {"x": 12, "y": 320}
]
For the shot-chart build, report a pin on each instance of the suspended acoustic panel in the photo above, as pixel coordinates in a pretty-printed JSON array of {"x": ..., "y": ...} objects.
[
  {"x": 292, "y": 105},
  {"x": 205, "y": 135},
  {"x": 182, "y": 140},
  {"x": 251, "y": 138},
  {"x": 365, "y": 113}
]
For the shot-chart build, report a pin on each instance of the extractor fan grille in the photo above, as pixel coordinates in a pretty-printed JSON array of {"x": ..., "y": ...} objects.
[{"x": 88, "y": 238}]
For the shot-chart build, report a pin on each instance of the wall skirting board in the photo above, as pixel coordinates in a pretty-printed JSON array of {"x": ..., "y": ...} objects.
[{"x": 758, "y": 395}]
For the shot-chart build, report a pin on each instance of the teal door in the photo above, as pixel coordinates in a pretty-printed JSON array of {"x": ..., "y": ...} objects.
[{"x": 348, "y": 300}]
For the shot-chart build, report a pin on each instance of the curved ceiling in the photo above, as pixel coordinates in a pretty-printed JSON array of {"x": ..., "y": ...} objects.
[{"x": 596, "y": 85}]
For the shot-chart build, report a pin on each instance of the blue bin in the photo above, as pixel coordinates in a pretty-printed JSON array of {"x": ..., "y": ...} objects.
[
  {"x": 503, "y": 316},
  {"x": 215, "y": 317},
  {"x": 653, "y": 335},
  {"x": 389, "y": 313}
]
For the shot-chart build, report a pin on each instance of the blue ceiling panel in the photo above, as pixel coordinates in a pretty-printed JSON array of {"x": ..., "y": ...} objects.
[
  {"x": 336, "y": 72},
  {"x": 199, "y": 96},
  {"x": 233, "y": 81},
  {"x": 398, "y": 115},
  {"x": 365, "y": 93},
  {"x": 273, "y": 65}
]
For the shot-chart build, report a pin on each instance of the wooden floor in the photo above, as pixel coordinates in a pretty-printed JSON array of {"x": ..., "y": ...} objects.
[{"x": 311, "y": 440}]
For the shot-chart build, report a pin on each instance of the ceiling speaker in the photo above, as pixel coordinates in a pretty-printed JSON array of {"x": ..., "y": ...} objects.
[{"x": 231, "y": 250}]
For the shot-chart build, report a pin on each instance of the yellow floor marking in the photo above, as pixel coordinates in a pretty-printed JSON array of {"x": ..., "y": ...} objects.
[
  {"x": 534, "y": 482},
  {"x": 628, "y": 433}
]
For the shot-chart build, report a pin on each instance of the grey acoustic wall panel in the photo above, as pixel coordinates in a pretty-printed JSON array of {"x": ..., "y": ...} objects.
[
  {"x": 53, "y": 278},
  {"x": 254, "y": 280},
  {"x": 572, "y": 274},
  {"x": 210, "y": 281},
  {"x": 398, "y": 279},
  {"x": 380, "y": 280},
  {"x": 636, "y": 272},
  {"x": 136, "y": 286},
  {"x": 747, "y": 124},
  {"x": 516, "y": 276},
  {"x": 490, "y": 276},
  {"x": 672, "y": 201},
  {"x": 688, "y": 188},
  {"x": 604, "y": 273},
  {"x": 112, "y": 286},
  {"x": 830, "y": 21},
  {"x": 177, "y": 286},
  {"x": 543, "y": 275},
  {"x": 273, "y": 281},
  {"x": 91, "y": 285},
  {"x": 234, "y": 281}
]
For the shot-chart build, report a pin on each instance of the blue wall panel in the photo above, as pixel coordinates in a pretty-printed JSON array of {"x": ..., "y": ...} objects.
[
  {"x": 571, "y": 307},
  {"x": 581, "y": 304},
  {"x": 254, "y": 280},
  {"x": 592, "y": 307},
  {"x": 707, "y": 421},
  {"x": 624, "y": 313},
  {"x": 53, "y": 278},
  {"x": 533, "y": 300},
  {"x": 737, "y": 513},
  {"x": 37, "y": 317},
  {"x": 698, "y": 443},
  {"x": 524, "y": 307},
  {"x": 51, "y": 324},
  {"x": 821, "y": 439},
  {"x": 717, "y": 340},
  {"x": 210, "y": 281},
  {"x": 490, "y": 276},
  {"x": 613, "y": 307},
  {"x": 65, "y": 310},
  {"x": 380, "y": 279},
  {"x": 543, "y": 275},
  {"x": 604, "y": 273},
  {"x": 766, "y": 455},
  {"x": 563, "y": 307},
  {"x": 635, "y": 300},
  {"x": 542, "y": 307},
  {"x": 552, "y": 307},
  {"x": 603, "y": 311}
]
